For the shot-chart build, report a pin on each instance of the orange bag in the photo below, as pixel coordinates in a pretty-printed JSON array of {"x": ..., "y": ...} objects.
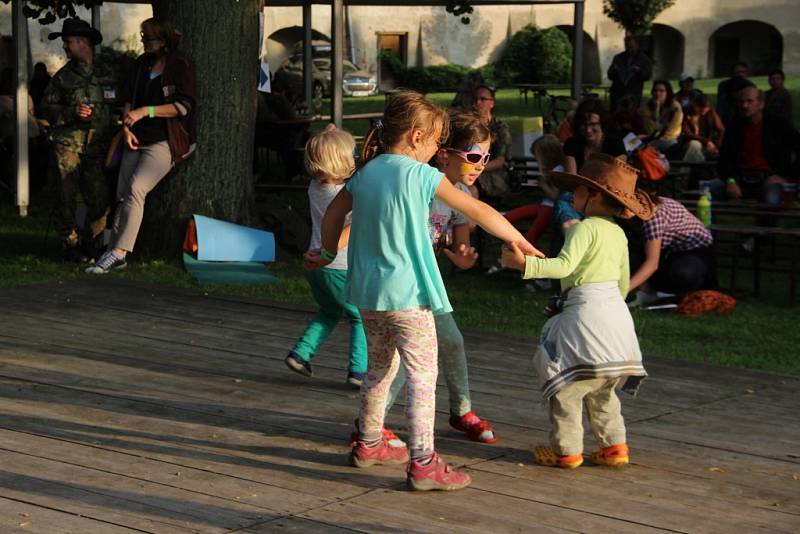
[
  {"x": 653, "y": 164},
  {"x": 190, "y": 241},
  {"x": 697, "y": 303}
]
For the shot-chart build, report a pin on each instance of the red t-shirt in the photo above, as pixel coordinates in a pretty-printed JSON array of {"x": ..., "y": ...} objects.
[{"x": 752, "y": 154}]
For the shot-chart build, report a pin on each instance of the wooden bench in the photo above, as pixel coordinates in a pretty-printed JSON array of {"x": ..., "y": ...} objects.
[{"x": 758, "y": 234}]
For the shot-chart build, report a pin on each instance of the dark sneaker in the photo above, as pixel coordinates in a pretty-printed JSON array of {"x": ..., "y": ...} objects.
[
  {"x": 355, "y": 379},
  {"x": 437, "y": 475},
  {"x": 380, "y": 454},
  {"x": 297, "y": 365},
  {"x": 108, "y": 262}
]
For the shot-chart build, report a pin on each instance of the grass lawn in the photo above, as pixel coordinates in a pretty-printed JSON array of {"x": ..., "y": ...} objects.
[
  {"x": 509, "y": 103},
  {"x": 758, "y": 334}
]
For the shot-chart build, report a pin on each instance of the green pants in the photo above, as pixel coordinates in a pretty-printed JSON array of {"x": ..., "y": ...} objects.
[
  {"x": 327, "y": 286},
  {"x": 599, "y": 397},
  {"x": 452, "y": 362},
  {"x": 80, "y": 173}
]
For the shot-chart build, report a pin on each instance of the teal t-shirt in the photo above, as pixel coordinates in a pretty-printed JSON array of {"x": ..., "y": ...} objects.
[{"x": 391, "y": 262}]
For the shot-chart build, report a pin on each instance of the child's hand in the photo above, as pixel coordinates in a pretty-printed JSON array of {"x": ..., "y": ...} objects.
[
  {"x": 464, "y": 257},
  {"x": 313, "y": 260},
  {"x": 529, "y": 250},
  {"x": 512, "y": 257}
]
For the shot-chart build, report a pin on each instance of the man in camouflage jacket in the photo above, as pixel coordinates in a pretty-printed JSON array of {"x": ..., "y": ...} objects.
[{"x": 79, "y": 103}]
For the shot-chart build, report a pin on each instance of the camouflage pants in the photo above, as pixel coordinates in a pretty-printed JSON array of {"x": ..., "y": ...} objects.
[{"x": 84, "y": 173}]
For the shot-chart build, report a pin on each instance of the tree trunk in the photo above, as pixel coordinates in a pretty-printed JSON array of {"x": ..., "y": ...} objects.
[{"x": 217, "y": 181}]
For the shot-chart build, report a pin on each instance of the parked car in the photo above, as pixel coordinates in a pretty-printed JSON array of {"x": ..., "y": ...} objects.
[{"x": 355, "y": 81}]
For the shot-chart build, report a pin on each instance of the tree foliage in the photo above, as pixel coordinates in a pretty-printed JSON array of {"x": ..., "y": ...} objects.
[
  {"x": 635, "y": 16},
  {"x": 48, "y": 11},
  {"x": 535, "y": 56},
  {"x": 460, "y": 8}
]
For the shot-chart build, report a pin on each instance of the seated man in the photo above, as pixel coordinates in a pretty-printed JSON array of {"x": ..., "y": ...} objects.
[
  {"x": 687, "y": 91},
  {"x": 760, "y": 153},
  {"x": 778, "y": 100},
  {"x": 273, "y": 131}
]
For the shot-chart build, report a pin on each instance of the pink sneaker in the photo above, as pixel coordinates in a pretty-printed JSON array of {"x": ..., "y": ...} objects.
[
  {"x": 437, "y": 475},
  {"x": 387, "y": 434},
  {"x": 381, "y": 454}
]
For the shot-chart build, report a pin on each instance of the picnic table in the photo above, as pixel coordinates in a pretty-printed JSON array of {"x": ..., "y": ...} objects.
[
  {"x": 542, "y": 90},
  {"x": 758, "y": 234}
]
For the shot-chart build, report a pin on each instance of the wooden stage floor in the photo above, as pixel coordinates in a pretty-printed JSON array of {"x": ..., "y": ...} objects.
[{"x": 135, "y": 408}]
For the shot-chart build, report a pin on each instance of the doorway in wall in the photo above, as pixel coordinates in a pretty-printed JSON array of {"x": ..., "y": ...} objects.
[{"x": 392, "y": 44}]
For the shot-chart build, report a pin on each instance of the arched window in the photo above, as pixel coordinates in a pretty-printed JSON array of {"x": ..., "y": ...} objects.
[
  {"x": 667, "y": 52},
  {"x": 758, "y": 44}
]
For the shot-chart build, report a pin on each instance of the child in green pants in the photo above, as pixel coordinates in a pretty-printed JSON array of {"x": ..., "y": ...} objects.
[{"x": 329, "y": 161}]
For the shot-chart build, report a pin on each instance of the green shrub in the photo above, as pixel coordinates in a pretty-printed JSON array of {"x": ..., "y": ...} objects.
[
  {"x": 535, "y": 56},
  {"x": 426, "y": 79}
]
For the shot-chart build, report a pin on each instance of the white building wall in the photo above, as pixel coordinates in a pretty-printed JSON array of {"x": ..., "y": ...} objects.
[
  {"x": 445, "y": 40},
  {"x": 120, "y": 29}
]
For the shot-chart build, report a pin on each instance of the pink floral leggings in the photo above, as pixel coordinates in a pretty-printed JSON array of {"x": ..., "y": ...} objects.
[{"x": 407, "y": 336}]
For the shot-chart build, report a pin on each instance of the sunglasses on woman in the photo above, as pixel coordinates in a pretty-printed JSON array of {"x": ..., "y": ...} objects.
[{"x": 472, "y": 156}]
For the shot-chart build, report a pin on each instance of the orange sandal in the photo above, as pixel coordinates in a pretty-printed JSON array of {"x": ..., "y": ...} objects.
[
  {"x": 613, "y": 456},
  {"x": 544, "y": 455}
]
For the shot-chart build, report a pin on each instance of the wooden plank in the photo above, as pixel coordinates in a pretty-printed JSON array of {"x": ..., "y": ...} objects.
[
  {"x": 209, "y": 486},
  {"x": 112, "y": 499},
  {"x": 487, "y": 511},
  {"x": 295, "y": 524},
  {"x": 17, "y": 516}
]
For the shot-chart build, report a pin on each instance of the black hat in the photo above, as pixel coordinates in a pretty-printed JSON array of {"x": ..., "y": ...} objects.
[{"x": 78, "y": 28}]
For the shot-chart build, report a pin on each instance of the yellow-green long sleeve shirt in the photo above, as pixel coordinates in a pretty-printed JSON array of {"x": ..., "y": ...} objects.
[{"x": 595, "y": 250}]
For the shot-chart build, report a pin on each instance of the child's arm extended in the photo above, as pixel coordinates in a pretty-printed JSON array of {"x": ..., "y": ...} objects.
[
  {"x": 332, "y": 225},
  {"x": 575, "y": 246},
  {"x": 463, "y": 255},
  {"x": 484, "y": 215},
  {"x": 344, "y": 238}
]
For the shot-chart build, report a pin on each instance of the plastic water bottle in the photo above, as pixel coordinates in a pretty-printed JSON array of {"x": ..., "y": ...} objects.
[{"x": 704, "y": 207}]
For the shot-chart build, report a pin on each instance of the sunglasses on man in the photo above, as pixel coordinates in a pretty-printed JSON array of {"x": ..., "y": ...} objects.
[{"x": 473, "y": 157}]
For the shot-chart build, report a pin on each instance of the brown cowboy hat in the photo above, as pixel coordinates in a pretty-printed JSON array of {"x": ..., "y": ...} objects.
[
  {"x": 78, "y": 28},
  {"x": 611, "y": 177}
]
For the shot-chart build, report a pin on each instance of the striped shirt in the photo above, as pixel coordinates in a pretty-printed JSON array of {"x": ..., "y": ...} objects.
[{"x": 677, "y": 228}]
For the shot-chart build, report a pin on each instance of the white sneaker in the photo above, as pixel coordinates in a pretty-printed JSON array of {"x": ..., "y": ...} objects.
[
  {"x": 496, "y": 268},
  {"x": 539, "y": 285},
  {"x": 643, "y": 299}
]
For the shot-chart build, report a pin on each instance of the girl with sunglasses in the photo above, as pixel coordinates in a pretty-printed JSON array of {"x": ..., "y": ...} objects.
[
  {"x": 393, "y": 278},
  {"x": 462, "y": 159}
]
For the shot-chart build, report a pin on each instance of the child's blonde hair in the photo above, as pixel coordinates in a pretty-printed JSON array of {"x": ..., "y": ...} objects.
[
  {"x": 329, "y": 155},
  {"x": 549, "y": 152},
  {"x": 405, "y": 111}
]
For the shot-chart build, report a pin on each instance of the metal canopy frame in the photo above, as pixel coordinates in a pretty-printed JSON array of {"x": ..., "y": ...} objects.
[
  {"x": 337, "y": 31},
  {"x": 20, "y": 30}
]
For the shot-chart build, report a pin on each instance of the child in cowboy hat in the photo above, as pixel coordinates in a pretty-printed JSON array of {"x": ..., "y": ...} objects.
[{"x": 589, "y": 348}]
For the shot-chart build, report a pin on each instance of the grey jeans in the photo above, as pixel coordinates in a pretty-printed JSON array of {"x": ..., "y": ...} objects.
[{"x": 140, "y": 171}]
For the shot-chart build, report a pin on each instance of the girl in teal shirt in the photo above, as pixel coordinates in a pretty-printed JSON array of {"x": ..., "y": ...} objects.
[{"x": 393, "y": 278}]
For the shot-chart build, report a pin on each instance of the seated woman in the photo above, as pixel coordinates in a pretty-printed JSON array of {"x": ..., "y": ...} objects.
[
  {"x": 590, "y": 137},
  {"x": 494, "y": 180},
  {"x": 702, "y": 130},
  {"x": 662, "y": 117},
  {"x": 678, "y": 252},
  {"x": 158, "y": 131}
]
